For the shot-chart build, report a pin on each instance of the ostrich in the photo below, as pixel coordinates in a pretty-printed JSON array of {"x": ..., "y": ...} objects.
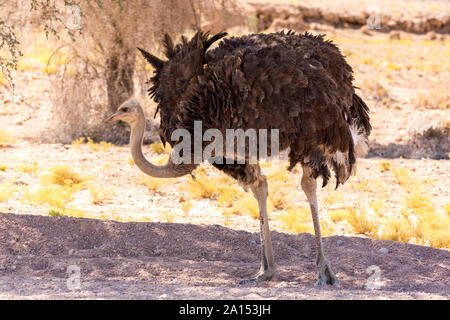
[{"x": 298, "y": 84}]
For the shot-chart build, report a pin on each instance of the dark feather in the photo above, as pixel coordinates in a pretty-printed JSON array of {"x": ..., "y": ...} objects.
[
  {"x": 168, "y": 46},
  {"x": 299, "y": 84},
  {"x": 154, "y": 61},
  {"x": 213, "y": 39}
]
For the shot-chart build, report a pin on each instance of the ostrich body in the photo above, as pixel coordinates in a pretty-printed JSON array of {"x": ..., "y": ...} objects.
[{"x": 299, "y": 84}]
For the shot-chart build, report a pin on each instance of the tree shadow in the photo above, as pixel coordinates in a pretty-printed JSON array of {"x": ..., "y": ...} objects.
[
  {"x": 210, "y": 254},
  {"x": 436, "y": 148}
]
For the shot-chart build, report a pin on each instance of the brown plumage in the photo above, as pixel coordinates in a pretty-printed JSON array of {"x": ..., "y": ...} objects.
[{"x": 299, "y": 84}]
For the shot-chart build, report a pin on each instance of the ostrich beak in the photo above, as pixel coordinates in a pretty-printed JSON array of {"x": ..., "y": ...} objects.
[{"x": 114, "y": 117}]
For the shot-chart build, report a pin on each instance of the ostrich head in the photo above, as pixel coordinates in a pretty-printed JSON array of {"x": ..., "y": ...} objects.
[{"x": 130, "y": 112}]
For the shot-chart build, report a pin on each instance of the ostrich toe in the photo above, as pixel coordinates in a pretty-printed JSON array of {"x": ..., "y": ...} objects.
[
  {"x": 262, "y": 275},
  {"x": 326, "y": 275}
]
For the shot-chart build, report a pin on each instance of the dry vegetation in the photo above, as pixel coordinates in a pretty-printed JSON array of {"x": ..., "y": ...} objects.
[
  {"x": 403, "y": 78},
  {"x": 6, "y": 138},
  {"x": 414, "y": 217}
]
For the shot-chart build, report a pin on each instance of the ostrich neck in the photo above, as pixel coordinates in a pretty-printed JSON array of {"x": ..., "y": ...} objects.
[
  {"x": 137, "y": 135},
  {"x": 169, "y": 170}
]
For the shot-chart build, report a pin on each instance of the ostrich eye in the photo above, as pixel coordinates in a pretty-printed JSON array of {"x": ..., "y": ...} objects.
[{"x": 125, "y": 109}]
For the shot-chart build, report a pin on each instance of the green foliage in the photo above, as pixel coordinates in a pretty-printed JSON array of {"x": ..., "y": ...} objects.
[{"x": 9, "y": 41}]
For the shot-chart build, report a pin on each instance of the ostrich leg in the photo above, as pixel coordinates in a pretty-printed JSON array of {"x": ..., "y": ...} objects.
[
  {"x": 250, "y": 176},
  {"x": 260, "y": 192},
  {"x": 309, "y": 186}
]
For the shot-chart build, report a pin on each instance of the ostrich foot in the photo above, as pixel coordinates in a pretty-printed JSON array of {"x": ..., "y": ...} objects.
[
  {"x": 326, "y": 275},
  {"x": 262, "y": 275}
]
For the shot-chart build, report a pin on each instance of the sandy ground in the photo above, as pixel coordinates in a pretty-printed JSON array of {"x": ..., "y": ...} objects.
[
  {"x": 170, "y": 261},
  {"x": 203, "y": 254}
]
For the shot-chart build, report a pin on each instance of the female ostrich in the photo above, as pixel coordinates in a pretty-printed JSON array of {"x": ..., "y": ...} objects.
[{"x": 299, "y": 84}]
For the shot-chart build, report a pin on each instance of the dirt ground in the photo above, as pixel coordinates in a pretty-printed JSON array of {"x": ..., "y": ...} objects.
[
  {"x": 141, "y": 244},
  {"x": 176, "y": 261}
]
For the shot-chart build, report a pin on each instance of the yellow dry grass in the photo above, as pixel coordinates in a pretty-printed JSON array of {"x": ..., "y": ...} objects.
[
  {"x": 399, "y": 229},
  {"x": 428, "y": 228},
  {"x": 63, "y": 175},
  {"x": 152, "y": 183},
  {"x": 279, "y": 197},
  {"x": 337, "y": 215},
  {"x": 371, "y": 185},
  {"x": 3, "y": 80},
  {"x": 297, "y": 220},
  {"x": 420, "y": 222},
  {"x": 186, "y": 207},
  {"x": 447, "y": 209},
  {"x": 58, "y": 186},
  {"x": 433, "y": 99},
  {"x": 29, "y": 168},
  {"x": 68, "y": 211},
  {"x": 334, "y": 197},
  {"x": 100, "y": 146},
  {"x": 280, "y": 186},
  {"x": 168, "y": 216},
  {"x": 7, "y": 190},
  {"x": 361, "y": 222},
  {"x": 43, "y": 57},
  {"x": 55, "y": 196},
  {"x": 100, "y": 194},
  {"x": 6, "y": 138},
  {"x": 161, "y": 160},
  {"x": 385, "y": 166},
  {"x": 245, "y": 205},
  {"x": 206, "y": 186},
  {"x": 159, "y": 148},
  {"x": 378, "y": 206}
]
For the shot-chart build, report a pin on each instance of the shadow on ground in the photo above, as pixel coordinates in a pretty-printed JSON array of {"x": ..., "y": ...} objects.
[
  {"x": 436, "y": 148},
  {"x": 151, "y": 260}
]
